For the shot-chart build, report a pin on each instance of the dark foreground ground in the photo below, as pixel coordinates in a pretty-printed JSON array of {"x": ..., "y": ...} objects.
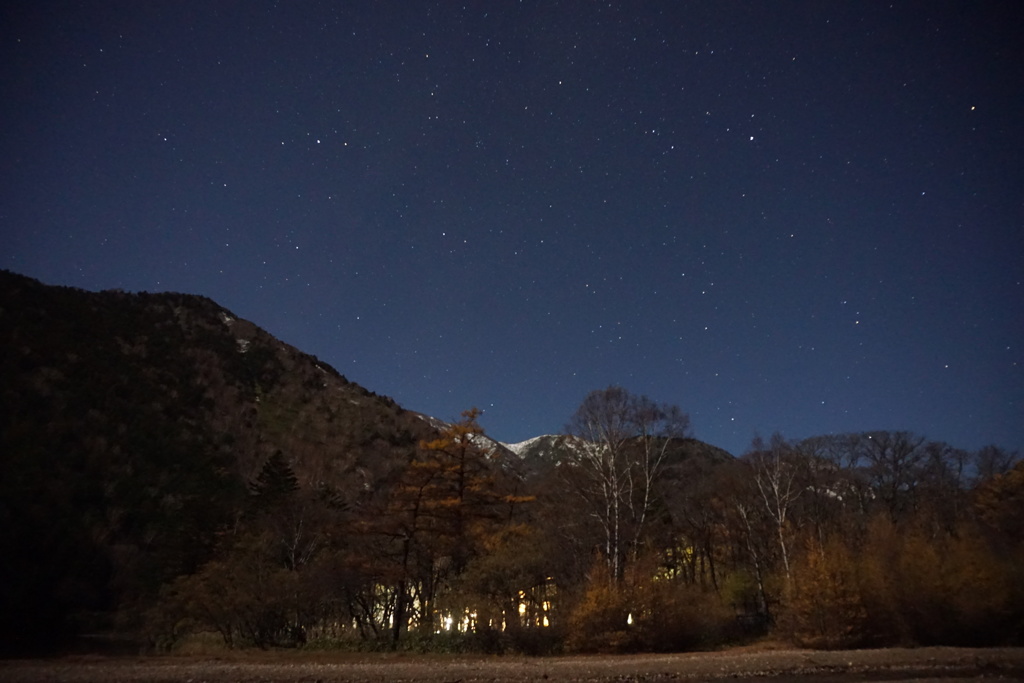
[{"x": 922, "y": 664}]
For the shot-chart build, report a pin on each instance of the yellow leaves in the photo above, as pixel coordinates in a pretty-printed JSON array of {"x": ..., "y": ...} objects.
[
  {"x": 825, "y": 608},
  {"x": 598, "y": 622},
  {"x": 644, "y": 612},
  {"x": 1000, "y": 505},
  {"x": 903, "y": 584},
  {"x": 518, "y": 500},
  {"x": 445, "y": 503},
  {"x": 442, "y": 444}
]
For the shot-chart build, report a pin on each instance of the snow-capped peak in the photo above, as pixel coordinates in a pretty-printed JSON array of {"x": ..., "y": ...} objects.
[{"x": 522, "y": 446}]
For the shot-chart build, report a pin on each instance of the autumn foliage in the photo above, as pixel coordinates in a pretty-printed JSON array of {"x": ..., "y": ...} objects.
[{"x": 911, "y": 582}]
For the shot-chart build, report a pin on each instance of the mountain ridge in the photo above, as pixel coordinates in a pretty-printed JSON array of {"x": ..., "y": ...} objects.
[
  {"x": 131, "y": 426},
  {"x": 135, "y": 426}
]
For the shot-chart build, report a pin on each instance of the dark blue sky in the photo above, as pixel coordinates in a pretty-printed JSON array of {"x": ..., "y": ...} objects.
[{"x": 794, "y": 216}]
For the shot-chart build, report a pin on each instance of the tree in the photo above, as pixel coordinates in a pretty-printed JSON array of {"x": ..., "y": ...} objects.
[
  {"x": 750, "y": 532},
  {"x": 942, "y": 489},
  {"x": 509, "y": 586},
  {"x": 266, "y": 585},
  {"x": 992, "y": 460},
  {"x": 438, "y": 513},
  {"x": 999, "y": 505},
  {"x": 275, "y": 481},
  {"x": 621, "y": 443},
  {"x": 689, "y": 492},
  {"x": 776, "y": 467},
  {"x": 894, "y": 461},
  {"x": 825, "y": 608}
]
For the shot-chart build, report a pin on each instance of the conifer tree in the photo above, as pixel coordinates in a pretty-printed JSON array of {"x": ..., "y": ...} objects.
[{"x": 275, "y": 481}]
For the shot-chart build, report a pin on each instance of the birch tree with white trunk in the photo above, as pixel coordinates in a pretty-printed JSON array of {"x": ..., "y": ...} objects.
[
  {"x": 776, "y": 470},
  {"x": 621, "y": 444}
]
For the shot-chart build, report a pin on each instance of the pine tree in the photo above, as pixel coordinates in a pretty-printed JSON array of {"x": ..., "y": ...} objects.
[{"x": 275, "y": 482}]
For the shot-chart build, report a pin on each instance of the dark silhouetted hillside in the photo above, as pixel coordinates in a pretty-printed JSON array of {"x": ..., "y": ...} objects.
[{"x": 131, "y": 427}]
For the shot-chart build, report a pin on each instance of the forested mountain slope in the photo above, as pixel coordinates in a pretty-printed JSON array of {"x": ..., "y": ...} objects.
[{"x": 130, "y": 428}]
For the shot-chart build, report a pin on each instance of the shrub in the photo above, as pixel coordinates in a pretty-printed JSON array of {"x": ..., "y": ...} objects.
[
  {"x": 903, "y": 584},
  {"x": 671, "y": 615},
  {"x": 599, "y": 622},
  {"x": 646, "y": 612},
  {"x": 824, "y": 609}
]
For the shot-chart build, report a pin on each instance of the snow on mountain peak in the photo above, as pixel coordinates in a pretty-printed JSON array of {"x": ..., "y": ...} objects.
[{"x": 522, "y": 446}]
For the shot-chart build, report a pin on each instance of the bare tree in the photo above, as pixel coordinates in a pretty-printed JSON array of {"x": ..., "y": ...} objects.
[
  {"x": 776, "y": 468},
  {"x": 895, "y": 460},
  {"x": 992, "y": 460},
  {"x": 621, "y": 442}
]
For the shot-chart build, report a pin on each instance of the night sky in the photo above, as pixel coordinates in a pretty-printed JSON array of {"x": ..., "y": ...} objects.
[{"x": 804, "y": 217}]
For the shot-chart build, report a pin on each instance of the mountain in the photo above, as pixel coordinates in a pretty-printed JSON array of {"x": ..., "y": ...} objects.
[
  {"x": 131, "y": 425},
  {"x": 553, "y": 449},
  {"x": 148, "y": 443}
]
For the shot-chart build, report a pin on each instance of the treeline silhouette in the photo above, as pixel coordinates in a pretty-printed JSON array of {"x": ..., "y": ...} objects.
[{"x": 873, "y": 539}]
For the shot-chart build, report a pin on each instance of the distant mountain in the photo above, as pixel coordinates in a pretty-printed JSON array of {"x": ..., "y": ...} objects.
[
  {"x": 553, "y": 449},
  {"x": 537, "y": 457},
  {"x": 537, "y": 461}
]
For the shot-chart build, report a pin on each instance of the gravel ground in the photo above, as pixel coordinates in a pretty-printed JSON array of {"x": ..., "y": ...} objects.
[{"x": 921, "y": 664}]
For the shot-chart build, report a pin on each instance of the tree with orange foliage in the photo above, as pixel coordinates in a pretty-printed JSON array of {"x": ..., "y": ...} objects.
[{"x": 445, "y": 503}]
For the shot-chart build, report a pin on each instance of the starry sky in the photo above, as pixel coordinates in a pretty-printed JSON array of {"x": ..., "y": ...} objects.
[{"x": 802, "y": 217}]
